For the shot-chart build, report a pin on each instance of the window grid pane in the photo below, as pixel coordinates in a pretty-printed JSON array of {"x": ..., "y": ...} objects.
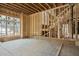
[{"x": 9, "y": 25}]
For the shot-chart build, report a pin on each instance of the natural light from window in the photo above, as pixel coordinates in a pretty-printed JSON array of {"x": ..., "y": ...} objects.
[{"x": 9, "y": 25}]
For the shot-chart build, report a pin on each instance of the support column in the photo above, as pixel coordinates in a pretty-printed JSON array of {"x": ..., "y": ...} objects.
[
  {"x": 49, "y": 26},
  {"x": 71, "y": 21},
  {"x": 76, "y": 31},
  {"x": 59, "y": 26},
  {"x": 58, "y": 29},
  {"x": 71, "y": 8},
  {"x": 76, "y": 24},
  {"x": 70, "y": 29},
  {"x": 21, "y": 26}
]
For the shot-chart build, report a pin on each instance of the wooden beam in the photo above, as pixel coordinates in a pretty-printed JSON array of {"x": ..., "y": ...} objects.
[
  {"x": 54, "y": 4},
  {"x": 43, "y": 6},
  {"x": 37, "y": 7},
  {"x": 44, "y": 22},
  {"x": 4, "y": 7},
  {"x": 22, "y": 6},
  {"x": 50, "y": 25},
  {"x": 9, "y": 14},
  {"x": 72, "y": 18},
  {"x": 32, "y": 8},
  {"x": 57, "y": 18},
  {"x": 27, "y": 7},
  {"x": 48, "y": 5},
  {"x": 15, "y": 8},
  {"x": 76, "y": 23},
  {"x": 9, "y": 7},
  {"x": 58, "y": 28},
  {"x": 21, "y": 26},
  {"x": 19, "y": 7},
  {"x": 61, "y": 6}
]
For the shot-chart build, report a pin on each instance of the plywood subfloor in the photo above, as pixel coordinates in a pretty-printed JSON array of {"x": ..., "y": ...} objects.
[
  {"x": 41, "y": 47},
  {"x": 69, "y": 51},
  {"x": 32, "y": 47},
  {"x": 68, "y": 47}
]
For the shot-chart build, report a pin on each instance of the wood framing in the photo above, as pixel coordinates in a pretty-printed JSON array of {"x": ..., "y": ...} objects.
[{"x": 29, "y": 8}]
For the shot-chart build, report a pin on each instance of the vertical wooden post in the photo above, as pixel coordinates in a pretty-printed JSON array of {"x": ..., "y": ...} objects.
[
  {"x": 63, "y": 28},
  {"x": 58, "y": 29},
  {"x": 51, "y": 23},
  {"x": 72, "y": 19},
  {"x": 41, "y": 23},
  {"x": 44, "y": 24},
  {"x": 38, "y": 24},
  {"x": 70, "y": 29},
  {"x": 55, "y": 27},
  {"x": 59, "y": 26},
  {"x": 69, "y": 23},
  {"x": 21, "y": 18},
  {"x": 76, "y": 25},
  {"x": 33, "y": 25},
  {"x": 47, "y": 24}
]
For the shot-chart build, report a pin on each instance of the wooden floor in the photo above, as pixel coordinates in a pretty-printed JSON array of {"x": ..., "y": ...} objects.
[
  {"x": 32, "y": 47},
  {"x": 69, "y": 51},
  {"x": 68, "y": 48},
  {"x": 40, "y": 46}
]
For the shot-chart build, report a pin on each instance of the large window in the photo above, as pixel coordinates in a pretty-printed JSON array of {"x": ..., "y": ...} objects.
[
  {"x": 9, "y": 25},
  {"x": 2, "y": 25}
]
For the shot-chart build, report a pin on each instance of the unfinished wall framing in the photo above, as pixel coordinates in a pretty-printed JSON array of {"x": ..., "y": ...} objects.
[
  {"x": 24, "y": 22},
  {"x": 54, "y": 23}
]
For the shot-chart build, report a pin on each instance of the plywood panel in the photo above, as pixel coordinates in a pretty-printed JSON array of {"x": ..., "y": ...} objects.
[
  {"x": 35, "y": 24},
  {"x": 25, "y": 25},
  {"x": 37, "y": 20}
]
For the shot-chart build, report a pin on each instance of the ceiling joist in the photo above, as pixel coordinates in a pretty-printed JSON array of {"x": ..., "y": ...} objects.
[
  {"x": 37, "y": 7},
  {"x": 30, "y": 8},
  {"x": 17, "y": 6},
  {"x": 48, "y": 5},
  {"x": 42, "y": 6},
  {"x": 26, "y": 7}
]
